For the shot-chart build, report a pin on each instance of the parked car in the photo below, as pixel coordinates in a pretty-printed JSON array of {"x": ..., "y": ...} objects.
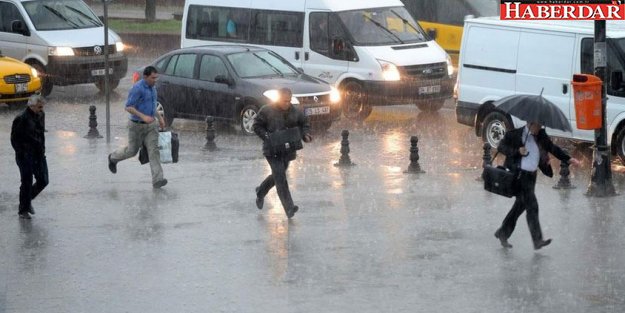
[
  {"x": 232, "y": 82},
  {"x": 19, "y": 81}
]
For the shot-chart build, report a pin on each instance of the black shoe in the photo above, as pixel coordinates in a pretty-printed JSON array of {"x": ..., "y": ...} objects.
[
  {"x": 31, "y": 210},
  {"x": 112, "y": 165},
  {"x": 541, "y": 243},
  {"x": 502, "y": 240},
  {"x": 291, "y": 212},
  {"x": 160, "y": 183},
  {"x": 24, "y": 215},
  {"x": 259, "y": 201}
]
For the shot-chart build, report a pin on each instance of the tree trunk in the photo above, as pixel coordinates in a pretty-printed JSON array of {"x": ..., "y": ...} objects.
[{"x": 150, "y": 10}]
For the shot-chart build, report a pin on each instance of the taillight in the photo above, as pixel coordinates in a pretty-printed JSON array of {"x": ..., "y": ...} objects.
[{"x": 135, "y": 77}]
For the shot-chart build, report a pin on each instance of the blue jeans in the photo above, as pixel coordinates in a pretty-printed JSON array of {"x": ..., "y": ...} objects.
[{"x": 30, "y": 166}]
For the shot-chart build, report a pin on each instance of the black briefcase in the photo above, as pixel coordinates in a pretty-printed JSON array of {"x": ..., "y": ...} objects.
[
  {"x": 285, "y": 140},
  {"x": 501, "y": 181}
]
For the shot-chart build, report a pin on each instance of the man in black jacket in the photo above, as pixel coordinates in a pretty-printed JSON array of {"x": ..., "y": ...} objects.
[
  {"x": 28, "y": 141},
  {"x": 278, "y": 116},
  {"x": 526, "y": 150}
]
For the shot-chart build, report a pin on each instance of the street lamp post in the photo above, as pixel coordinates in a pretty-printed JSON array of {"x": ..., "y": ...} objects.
[{"x": 601, "y": 175}]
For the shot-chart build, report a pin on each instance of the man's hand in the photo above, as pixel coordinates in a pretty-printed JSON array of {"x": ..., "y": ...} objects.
[
  {"x": 523, "y": 151},
  {"x": 147, "y": 119},
  {"x": 575, "y": 162},
  {"x": 308, "y": 138}
]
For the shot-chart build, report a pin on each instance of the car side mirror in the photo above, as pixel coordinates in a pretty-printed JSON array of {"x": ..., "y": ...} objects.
[
  {"x": 222, "y": 79},
  {"x": 616, "y": 81},
  {"x": 19, "y": 27},
  {"x": 432, "y": 33}
]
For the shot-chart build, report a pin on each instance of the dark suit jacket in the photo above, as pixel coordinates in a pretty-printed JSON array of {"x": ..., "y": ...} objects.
[
  {"x": 514, "y": 139},
  {"x": 270, "y": 119}
]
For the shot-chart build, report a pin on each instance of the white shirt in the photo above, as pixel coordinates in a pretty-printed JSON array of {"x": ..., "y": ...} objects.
[{"x": 530, "y": 161}]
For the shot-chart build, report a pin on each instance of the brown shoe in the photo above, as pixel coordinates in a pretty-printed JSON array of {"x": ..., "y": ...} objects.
[{"x": 541, "y": 243}]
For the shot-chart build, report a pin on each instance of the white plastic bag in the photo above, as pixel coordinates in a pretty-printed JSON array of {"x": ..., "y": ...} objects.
[{"x": 164, "y": 147}]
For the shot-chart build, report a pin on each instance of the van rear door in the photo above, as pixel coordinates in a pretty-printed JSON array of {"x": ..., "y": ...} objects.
[{"x": 545, "y": 64}]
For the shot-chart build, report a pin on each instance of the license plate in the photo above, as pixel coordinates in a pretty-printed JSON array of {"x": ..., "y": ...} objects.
[
  {"x": 429, "y": 89},
  {"x": 21, "y": 88},
  {"x": 317, "y": 111},
  {"x": 100, "y": 72}
]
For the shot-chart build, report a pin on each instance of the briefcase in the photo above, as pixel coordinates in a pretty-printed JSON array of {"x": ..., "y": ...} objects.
[
  {"x": 285, "y": 140},
  {"x": 501, "y": 181}
]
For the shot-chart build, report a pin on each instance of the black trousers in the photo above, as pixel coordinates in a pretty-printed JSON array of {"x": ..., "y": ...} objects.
[
  {"x": 525, "y": 201},
  {"x": 279, "y": 165},
  {"x": 31, "y": 165}
]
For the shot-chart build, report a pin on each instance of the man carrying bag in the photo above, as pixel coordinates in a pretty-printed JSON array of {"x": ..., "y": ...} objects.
[{"x": 281, "y": 126}]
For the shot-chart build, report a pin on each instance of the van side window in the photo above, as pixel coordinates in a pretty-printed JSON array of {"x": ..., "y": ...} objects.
[
  {"x": 211, "y": 66},
  {"x": 8, "y": 14},
  {"x": 217, "y": 23},
  {"x": 277, "y": 28}
]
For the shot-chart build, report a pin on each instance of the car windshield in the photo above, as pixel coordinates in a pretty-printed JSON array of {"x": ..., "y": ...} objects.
[
  {"x": 484, "y": 7},
  {"x": 259, "y": 64},
  {"x": 61, "y": 14},
  {"x": 382, "y": 26}
]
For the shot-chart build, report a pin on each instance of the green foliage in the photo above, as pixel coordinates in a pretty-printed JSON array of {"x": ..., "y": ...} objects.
[{"x": 140, "y": 26}]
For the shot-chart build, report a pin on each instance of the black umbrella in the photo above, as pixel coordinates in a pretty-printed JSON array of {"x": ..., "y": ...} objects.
[{"x": 534, "y": 108}]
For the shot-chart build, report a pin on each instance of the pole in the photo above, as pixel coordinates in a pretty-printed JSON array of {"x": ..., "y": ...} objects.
[
  {"x": 107, "y": 94},
  {"x": 601, "y": 175}
]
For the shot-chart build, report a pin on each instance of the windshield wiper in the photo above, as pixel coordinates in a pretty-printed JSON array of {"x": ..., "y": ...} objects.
[
  {"x": 59, "y": 15},
  {"x": 383, "y": 28},
  {"x": 409, "y": 24},
  {"x": 270, "y": 65},
  {"x": 89, "y": 18}
]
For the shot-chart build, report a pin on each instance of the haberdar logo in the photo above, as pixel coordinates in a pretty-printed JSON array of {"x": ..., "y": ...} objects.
[{"x": 562, "y": 10}]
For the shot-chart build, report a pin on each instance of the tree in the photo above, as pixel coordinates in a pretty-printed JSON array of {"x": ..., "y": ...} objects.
[{"x": 150, "y": 10}]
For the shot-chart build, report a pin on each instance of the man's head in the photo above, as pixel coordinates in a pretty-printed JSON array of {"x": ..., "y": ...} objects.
[
  {"x": 285, "y": 98},
  {"x": 36, "y": 103},
  {"x": 150, "y": 75},
  {"x": 534, "y": 127}
]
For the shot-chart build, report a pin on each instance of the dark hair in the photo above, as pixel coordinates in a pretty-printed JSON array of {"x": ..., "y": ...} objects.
[
  {"x": 286, "y": 93},
  {"x": 148, "y": 70}
]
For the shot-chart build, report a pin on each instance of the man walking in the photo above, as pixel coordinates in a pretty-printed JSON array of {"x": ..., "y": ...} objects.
[
  {"x": 28, "y": 141},
  {"x": 271, "y": 118},
  {"x": 142, "y": 127},
  {"x": 526, "y": 150}
]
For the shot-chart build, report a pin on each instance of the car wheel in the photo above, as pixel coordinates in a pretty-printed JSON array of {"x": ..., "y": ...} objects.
[
  {"x": 355, "y": 106},
  {"x": 46, "y": 83},
  {"x": 494, "y": 128},
  {"x": 248, "y": 114},
  {"x": 167, "y": 115},
  {"x": 112, "y": 84},
  {"x": 431, "y": 106},
  {"x": 620, "y": 145}
]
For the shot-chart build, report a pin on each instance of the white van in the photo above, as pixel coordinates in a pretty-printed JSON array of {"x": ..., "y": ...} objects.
[
  {"x": 501, "y": 58},
  {"x": 62, "y": 39},
  {"x": 372, "y": 50}
]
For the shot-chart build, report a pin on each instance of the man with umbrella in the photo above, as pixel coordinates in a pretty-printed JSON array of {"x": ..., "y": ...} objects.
[{"x": 526, "y": 150}]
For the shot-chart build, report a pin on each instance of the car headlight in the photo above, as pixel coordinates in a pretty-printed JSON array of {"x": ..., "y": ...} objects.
[
  {"x": 335, "y": 95},
  {"x": 119, "y": 46},
  {"x": 34, "y": 72},
  {"x": 450, "y": 66},
  {"x": 60, "y": 51},
  {"x": 389, "y": 70},
  {"x": 273, "y": 95}
]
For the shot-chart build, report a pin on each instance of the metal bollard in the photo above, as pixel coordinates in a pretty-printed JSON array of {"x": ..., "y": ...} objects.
[
  {"x": 210, "y": 134},
  {"x": 414, "y": 167},
  {"x": 564, "y": 182},
  {"x": 344, "y": 161},
  {"x": 487, "y": 158},
  {"x": 93, "y": 124}
]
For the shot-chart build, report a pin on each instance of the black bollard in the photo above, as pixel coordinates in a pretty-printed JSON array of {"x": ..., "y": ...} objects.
[
  {"x": 487, "y": 159},
  {"x": 93, "y": 124},
  {"x": 414, "y": 167},
  {"x": 344, "y": 161},
  {"x": 210, "y": 134},
  {"x": 564, "y": 182}
]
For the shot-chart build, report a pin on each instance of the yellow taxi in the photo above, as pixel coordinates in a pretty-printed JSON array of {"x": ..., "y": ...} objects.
[{"x": 18, "y": 81}]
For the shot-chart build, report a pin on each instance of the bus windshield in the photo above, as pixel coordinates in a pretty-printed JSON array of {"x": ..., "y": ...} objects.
[
  {"x": 61, "y": 14},
  {"x": 382, "y": 26}
]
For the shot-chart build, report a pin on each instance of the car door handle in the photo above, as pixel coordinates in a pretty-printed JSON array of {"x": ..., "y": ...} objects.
[
  {"x": 565, "y": 89},
  {"x": 296, "y": 55},
  {"x": 306, "y": 56}
]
